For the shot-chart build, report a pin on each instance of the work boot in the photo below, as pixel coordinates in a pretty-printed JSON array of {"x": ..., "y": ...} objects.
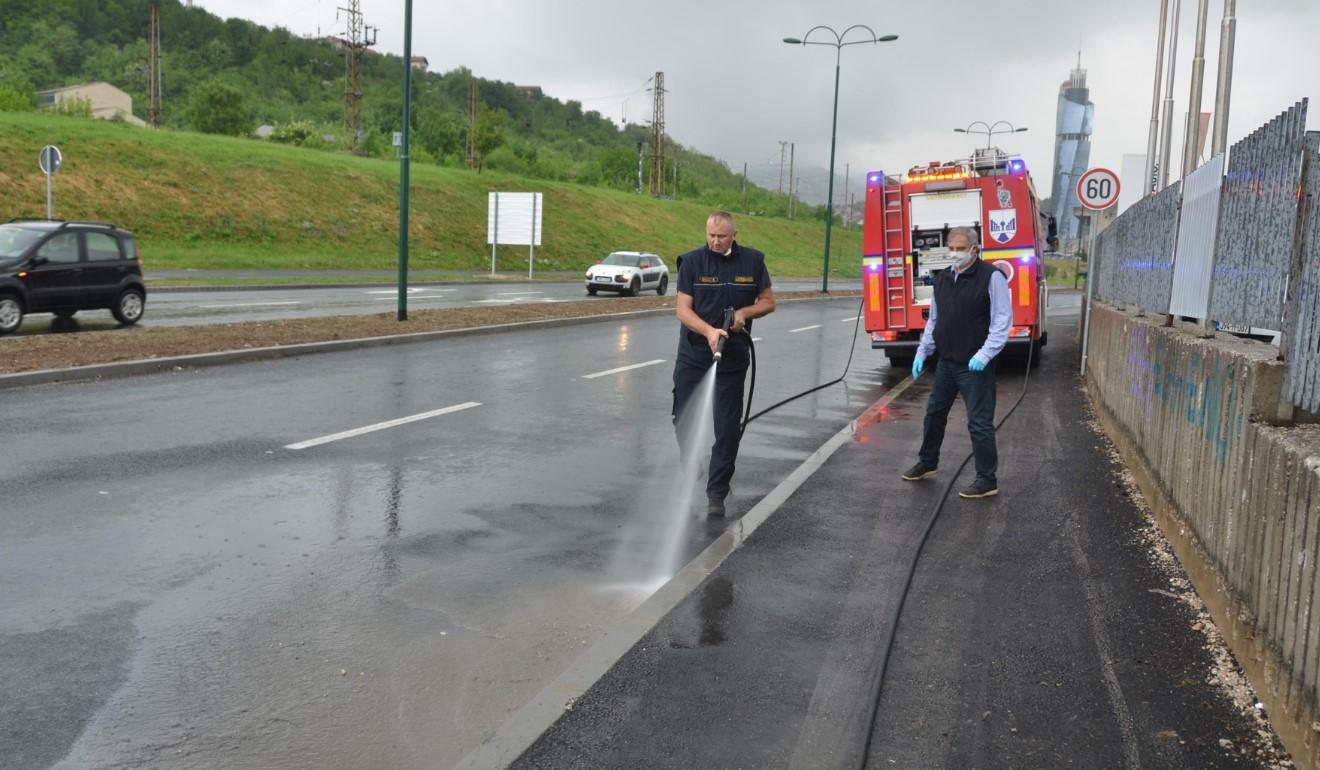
[
  {"x": 715, "y": 507},
  {"x": 980, "y": 488},
  {"x": 919, "y": 471}
]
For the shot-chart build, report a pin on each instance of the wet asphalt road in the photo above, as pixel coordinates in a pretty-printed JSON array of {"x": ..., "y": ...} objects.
[
  {"x": 1037, "y": 632},
  {"x": 185, "y": 591},
  {"x": 191, "y": 308}
]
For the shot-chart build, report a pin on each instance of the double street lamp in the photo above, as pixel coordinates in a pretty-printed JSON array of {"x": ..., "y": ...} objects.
[
  {"x": 838, "y": 44},
  {"x": 990, "y": 130}
]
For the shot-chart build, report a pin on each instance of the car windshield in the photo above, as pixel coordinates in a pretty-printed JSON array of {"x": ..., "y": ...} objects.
[
  {"x": 16, "y": 240},
  {"x": 627, "y": 260}
]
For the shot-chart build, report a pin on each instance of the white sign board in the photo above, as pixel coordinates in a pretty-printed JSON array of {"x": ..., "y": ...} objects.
[
  {"x": 514, "y": 219},
  {"x": 1098, "y": 189}
]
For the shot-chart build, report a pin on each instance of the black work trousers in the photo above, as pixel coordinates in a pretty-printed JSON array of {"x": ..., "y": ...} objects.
[{"x": 693, "y": 363}]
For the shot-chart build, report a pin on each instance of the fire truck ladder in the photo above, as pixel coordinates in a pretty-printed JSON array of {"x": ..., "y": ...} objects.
[{"x": 897, "y": 287}]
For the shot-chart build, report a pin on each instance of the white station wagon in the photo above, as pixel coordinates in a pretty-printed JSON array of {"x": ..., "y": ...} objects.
[{"x": 629, "y": 272}]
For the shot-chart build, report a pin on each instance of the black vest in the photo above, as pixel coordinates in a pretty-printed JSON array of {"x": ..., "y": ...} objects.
[{"x": 962, "y": 311}]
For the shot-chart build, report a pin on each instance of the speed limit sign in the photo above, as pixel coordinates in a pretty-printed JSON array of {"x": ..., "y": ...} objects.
[{"x": 1098, "y": 189}]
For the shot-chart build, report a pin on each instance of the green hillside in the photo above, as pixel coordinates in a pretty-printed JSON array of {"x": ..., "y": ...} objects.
[{"x": 213, "y": 202}]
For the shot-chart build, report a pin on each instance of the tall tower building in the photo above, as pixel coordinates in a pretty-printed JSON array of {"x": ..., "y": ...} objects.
[{"x": 1072, "y": 149}]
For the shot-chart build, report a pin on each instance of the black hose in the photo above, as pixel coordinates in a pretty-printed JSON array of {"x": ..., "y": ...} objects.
[
  {"x": 878, "y": 685},
  {"x": 747, "y": 413}
]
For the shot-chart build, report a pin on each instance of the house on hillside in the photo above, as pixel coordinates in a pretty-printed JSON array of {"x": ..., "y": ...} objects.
[
  {"x": 420, "y": 63},
  {"x": 107, "y": 102}
]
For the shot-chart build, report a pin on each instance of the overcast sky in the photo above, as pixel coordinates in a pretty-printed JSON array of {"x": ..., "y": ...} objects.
[{"x": 735, "y": 90}]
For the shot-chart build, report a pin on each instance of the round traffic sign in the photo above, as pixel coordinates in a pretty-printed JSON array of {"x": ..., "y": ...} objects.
[
  {"x": 50, "y": 159},
  {"x": 1098, "y": 189}
]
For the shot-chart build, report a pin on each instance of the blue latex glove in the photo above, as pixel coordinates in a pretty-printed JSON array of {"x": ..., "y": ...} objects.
[
  {"x": 975, "y": 365},
  {"x": 917, "y": 365}
]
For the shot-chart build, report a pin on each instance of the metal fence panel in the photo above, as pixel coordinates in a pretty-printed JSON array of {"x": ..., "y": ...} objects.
[
  {"x": 1303, "y": 385},
  {"x": 1194, "y": 257},
  {"x": 1135, "y": 253},
  {"x": 1258, "y": 220}
]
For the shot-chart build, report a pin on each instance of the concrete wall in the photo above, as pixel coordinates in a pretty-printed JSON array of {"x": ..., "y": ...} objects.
[{"x": 1238, "y": 498}]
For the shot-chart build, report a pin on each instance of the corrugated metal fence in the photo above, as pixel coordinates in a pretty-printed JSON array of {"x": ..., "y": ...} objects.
[{"x": 1247, "y": 246}]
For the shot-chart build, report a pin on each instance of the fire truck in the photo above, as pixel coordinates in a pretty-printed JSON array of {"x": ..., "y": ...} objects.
[{"x": 905, "y": 232}]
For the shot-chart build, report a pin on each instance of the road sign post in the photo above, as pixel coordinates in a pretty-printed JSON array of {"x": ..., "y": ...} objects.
[
  {"x": 49, "y": 160},
  {"x": 1097, "y": 190}
]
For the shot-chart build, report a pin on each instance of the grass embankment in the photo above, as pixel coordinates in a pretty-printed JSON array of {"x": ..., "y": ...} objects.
[{"x": 207, "y": 202}]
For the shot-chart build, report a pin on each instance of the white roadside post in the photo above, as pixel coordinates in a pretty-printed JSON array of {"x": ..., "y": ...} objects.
[
  {"x": 50, "y": 159},
  {"x": 1097, "y": 190}
]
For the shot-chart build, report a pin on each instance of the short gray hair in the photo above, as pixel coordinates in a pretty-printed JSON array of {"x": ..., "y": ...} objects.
[
  {"x": 726, "y": 216},
  {"x": 966, "y": 232}
]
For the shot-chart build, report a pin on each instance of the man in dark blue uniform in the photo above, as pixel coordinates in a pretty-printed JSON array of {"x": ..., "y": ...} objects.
[{"x": 721, "y": 275}]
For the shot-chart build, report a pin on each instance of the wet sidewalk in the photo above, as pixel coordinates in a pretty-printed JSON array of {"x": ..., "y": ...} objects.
[{"x": 1046, "y": 627}]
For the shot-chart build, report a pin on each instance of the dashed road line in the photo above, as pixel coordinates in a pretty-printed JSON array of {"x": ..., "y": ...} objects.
[
  {"x": 608, "y": 372},
  {"x": 381, "y": 426}
]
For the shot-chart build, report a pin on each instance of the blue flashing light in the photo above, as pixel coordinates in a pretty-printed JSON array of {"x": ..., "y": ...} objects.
[
  {"x": 1026, "y": 260},
  {"x": 1017, "y": 166},
  {"x": 874, "y": 268},
  {"x": 874, "y": 178}
]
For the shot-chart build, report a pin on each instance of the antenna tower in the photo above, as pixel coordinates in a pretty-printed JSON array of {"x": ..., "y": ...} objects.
[
  {"x": 357, "y": 39},
  {"x": 656, "y": 179},
  {"x": 153, "y": 66}
]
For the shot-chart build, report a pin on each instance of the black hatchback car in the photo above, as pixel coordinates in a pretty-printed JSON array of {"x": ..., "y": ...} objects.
[{"x": 64, "y": 267}]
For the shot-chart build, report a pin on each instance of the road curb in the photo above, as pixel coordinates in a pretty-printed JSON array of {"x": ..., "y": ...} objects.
[{"x": 153, "y": 365}]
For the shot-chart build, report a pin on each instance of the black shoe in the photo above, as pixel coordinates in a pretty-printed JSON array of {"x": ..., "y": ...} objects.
[
  {"x": 919, "y": 471},
  {"x": 980, "y": 488},
  {"x": 714, "y": 507}
]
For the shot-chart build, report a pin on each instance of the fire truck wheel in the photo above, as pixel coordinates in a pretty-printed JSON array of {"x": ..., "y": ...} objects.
[
  {"x": 900, "y": 360},
  {"x": 1035, "y": 353}
]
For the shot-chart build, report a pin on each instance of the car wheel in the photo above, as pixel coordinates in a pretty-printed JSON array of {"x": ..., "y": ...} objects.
[
  {"x": 64, "y": 313},
  {"x": 635, "y": 288},
  {"x": 128, "y": 309},
  {"x": 663, "y": 287},
  {"x": 591, "y": 290},
  {"x": 11, "y": 313}
]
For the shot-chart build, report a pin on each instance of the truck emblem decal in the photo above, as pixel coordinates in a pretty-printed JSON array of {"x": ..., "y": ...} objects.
[{"x": 1003, "y": 225}]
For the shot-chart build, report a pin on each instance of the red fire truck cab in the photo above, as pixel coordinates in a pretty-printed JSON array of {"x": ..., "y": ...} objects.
[{"x": 905, "y": 232}]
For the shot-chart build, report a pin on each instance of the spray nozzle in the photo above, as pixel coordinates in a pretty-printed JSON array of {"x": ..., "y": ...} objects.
[{"x": 726, "y": 326}]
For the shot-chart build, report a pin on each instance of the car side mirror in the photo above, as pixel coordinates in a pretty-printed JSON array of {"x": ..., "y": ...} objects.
[{"x": 38, "y": 260}]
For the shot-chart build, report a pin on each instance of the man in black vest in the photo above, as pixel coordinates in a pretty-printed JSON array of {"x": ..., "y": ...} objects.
[
  {"x": 721, "y": 275},
  {"x": 968, "y": 326}
]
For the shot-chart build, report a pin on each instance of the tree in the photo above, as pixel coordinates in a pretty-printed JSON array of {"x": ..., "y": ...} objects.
[
  {"x": 489, "y": 133},
  {"x": 13, "y": 99},
  {"x": 217, "y": 108}
]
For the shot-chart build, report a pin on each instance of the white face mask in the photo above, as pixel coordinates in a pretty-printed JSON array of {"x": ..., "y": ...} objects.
[{"x": 964, "y": 258}]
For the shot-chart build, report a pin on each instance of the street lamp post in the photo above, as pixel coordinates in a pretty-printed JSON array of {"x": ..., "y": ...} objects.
[
  {"x": 838, "y": 44},
  {"x": 990, "y": 130}
]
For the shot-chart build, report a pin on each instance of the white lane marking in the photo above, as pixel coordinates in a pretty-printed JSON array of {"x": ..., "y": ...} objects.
[
  {"x": 380, "y": 426},
  {"x": 804, "y": 329},
  {"x": 847, "y": 320},
  {"x": 396, "y": 298},
  {"x": 493, "y": 301},
  {"x": 511, "y": 293},
  {"x": 527, "y": 724},
  {"x": 608, "y": 372},
  {"x": 250, "y": 304}
]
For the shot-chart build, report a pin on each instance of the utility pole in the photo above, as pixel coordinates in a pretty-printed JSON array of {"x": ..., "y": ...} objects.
[
  {"x": 783, "y": 149},
  {"x": 357, "y": 38},
  {"x": 1153, "y": 138},
  {"x": 1166, "y": 127},
  {"x": 791, "y": 148},
  {"x": 744, "y": 188},
  {"x": 846, "y": 167},
  {"x": 656, "y": 183},
  {"x": 472, "y": 123},
  {"x": 1224, "y": 82},
  {"x": 153, "y": 66},
  {"x": 641, "y": 161},
  {"x": 1192, "y": 136}
]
